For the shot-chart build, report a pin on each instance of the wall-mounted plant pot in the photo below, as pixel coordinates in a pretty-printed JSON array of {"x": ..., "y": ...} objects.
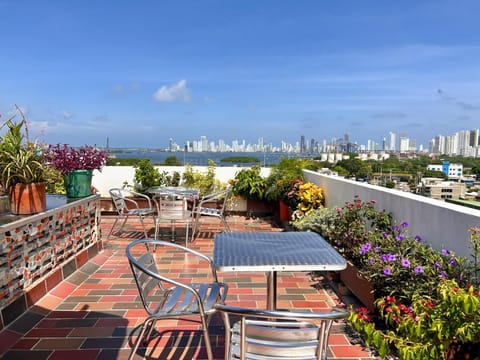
[{"x": 27, "y": 199}]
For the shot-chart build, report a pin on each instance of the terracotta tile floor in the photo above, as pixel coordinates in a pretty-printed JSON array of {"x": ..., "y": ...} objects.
[{"x": 93, "y": 313}]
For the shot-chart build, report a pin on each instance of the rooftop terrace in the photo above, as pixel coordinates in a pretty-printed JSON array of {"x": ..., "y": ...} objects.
[{"x": 93, "y": 312}]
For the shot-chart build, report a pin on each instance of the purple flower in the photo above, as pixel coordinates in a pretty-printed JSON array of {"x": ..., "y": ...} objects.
[
  {"x": 387, "y": 271},
  {"x": 365, "y": 248},
  {"x": 437, "y": 266},
  {"x": 400, "y": 237},
  {"x": 65, "y": 158},
  {"x": 388, "y": 257},
  {"x": 418, "y": 238},
  {"x": 404, "y": 224},
  {"x": 395, "y": 228},
  {"x": 405, "y": 263},
  {"x": 443, "y": 275},
  {"x": 377, "y": 249},
  {"x": 452, "y": 261},
  {"x": 385, "y": 235},
  {"x": 445, "y": 252},
  {"x": 418, "y": 270},
  {"x": 371, "y": 260}
]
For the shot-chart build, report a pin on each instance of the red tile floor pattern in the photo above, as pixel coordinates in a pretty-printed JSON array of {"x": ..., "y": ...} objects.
[{"x": 93, "y": 313}]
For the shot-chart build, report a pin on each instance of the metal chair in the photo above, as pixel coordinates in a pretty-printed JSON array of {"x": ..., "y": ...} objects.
[
  {"x": 163, "y": 297},
  {"x": 274, "y": 335},
  {"x": 209, "y": 206},
  {"x": 172, "y": 207},
  {"x": 126, "y": 206}
]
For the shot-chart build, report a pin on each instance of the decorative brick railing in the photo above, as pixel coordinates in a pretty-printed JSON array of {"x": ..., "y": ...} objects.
[{"x": 33, "y": 247}]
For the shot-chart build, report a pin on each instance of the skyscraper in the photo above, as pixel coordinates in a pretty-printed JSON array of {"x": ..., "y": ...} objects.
[{"x": 393, "y": 139}]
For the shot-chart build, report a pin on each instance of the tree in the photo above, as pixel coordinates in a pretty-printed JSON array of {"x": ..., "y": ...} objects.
[{"x": 172, "y": 161}]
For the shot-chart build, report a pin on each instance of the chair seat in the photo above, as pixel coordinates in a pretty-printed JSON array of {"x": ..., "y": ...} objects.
[
  {"x": 209, "y": 211},
  {"x": 141, "y": 212}
]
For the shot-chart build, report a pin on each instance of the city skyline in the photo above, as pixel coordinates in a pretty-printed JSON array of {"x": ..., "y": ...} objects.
[
  {"x": 464, "y": 142},
  {"x": 142, "y": 72}
]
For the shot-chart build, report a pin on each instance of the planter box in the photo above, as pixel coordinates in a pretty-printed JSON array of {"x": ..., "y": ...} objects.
[
  {"x": 259, "y": 207},
  {"x": 359, "y": 286}
]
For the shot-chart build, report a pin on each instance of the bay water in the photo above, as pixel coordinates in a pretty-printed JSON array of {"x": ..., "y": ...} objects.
[{"x": 201, "y": 158}]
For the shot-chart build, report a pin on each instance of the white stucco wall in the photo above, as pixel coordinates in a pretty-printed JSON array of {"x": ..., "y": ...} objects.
[
  {"x": 441, "y": 224},
  {"x": 116, "y": 176}
]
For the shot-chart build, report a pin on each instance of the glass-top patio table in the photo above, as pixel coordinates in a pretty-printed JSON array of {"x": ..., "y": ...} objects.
[{"x": 272, "y": 252}]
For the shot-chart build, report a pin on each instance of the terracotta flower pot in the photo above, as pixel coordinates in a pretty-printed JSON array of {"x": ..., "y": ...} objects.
[
  {"x": 26, "y": 199},
  {"x": 284, "y": 211},
  {"x": 361, "y": 287}
]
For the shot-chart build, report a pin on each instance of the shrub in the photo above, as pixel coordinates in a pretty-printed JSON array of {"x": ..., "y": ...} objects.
[
  {"x": 205, "y": 182},
  {"x": 436, "y": 327},
  {"x": 309, "y": 198},
  {"x": 395, "y": 262},
  {"x": 249, "y": 184}
]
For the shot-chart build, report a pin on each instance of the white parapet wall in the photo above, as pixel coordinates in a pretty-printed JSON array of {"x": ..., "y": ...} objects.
[
  {"x": 444, "y": 225},
  {"x": 117, "y": 176}
]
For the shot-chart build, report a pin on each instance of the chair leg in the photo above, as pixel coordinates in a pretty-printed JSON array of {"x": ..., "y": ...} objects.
[
  {"x": 124, "y": 222},
  {"x": 145, "y": 325},
  {"x": 121, "y": 227},
  {"x": 111, "y": 229},
  {"x": 144, "y": 228},
  {"x": 195, "y": 225},
  {"x": 172, "y": 222},
  {"x": 155, "y": 226},
  {"x": 206, "y": 336},
  {"x": 225, "y": 224}
]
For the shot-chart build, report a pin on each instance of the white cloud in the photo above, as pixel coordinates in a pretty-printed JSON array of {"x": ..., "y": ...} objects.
[{"x": 173, "y": 92}]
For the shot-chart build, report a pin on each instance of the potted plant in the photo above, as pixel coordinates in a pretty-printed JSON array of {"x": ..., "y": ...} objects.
[
  {"x": 76, "y": 166},
  {"x": 249, "y": 183},
  {"x": 22, "y": 169}
]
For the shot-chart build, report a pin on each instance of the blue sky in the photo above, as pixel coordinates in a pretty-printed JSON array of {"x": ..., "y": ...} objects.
[{"x": 141, "y": 72}]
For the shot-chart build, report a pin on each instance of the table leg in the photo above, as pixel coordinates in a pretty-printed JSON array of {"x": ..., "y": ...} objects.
[{"x": 272, "y": 290}]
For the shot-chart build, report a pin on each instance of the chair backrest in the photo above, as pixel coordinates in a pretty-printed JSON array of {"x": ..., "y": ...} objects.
[
  {"x": 277, "y": 335},
  {"x": 123, "y": 200},
  {"x": 172, "y": 206},
  {"x": 222, "y": 195},
  {"x": 118, "y": 199}
]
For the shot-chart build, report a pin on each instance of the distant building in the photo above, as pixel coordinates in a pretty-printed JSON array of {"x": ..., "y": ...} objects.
[
  {"x": 439, "y": 189},
  {"x": 453, "y": 171}
]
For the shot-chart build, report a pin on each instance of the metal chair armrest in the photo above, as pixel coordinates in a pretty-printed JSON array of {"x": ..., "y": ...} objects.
[
  {"x": 204, "y": 257},
  {"x": 147, "y": 198},
  {"x": 334, "y": 314}
]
